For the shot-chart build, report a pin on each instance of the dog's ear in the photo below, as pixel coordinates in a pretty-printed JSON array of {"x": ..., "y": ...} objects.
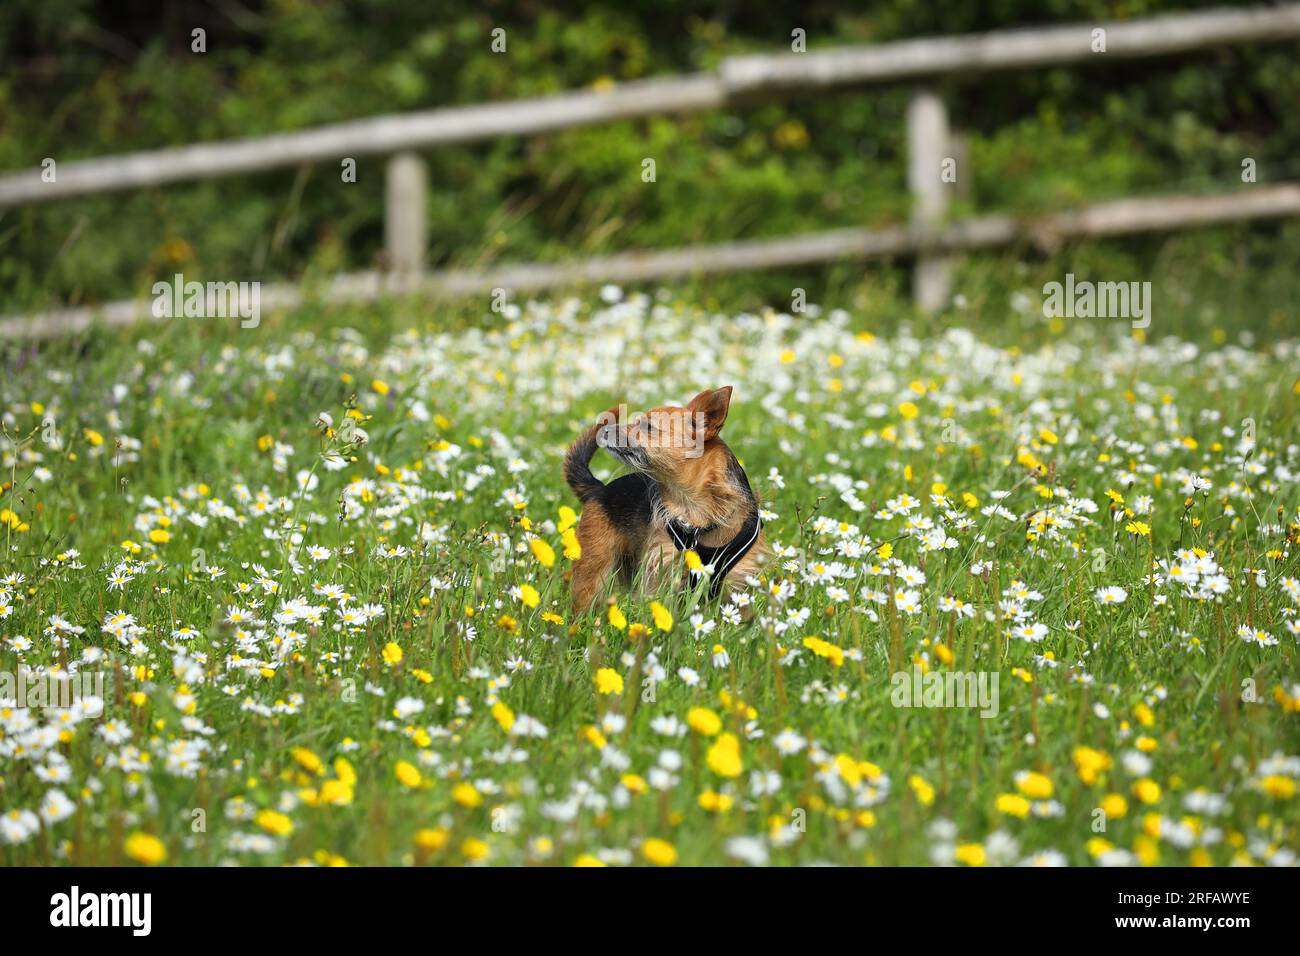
[{"x": 712, "y": 403}]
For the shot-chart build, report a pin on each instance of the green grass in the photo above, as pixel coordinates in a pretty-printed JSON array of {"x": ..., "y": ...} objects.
[{"x": 1140, "y": 706}]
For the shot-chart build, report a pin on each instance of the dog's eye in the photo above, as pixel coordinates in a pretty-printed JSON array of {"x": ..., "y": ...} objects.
[{"x": 647, "y": 426}]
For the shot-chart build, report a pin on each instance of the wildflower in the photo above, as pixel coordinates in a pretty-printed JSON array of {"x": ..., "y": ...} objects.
[
  {"x": 145, "y": 848},
  {"x": 1089, "y": 763},
  {"x": 1278, "y": 786},
  {"x": 307, "y": 760},
  {"x": 922, "y": 788},
  {"x": 659, "y": 852},
  {"x": 503, "y": 715},
  {"x": 634, "y": 783},
  {"x": 568, "y": 518},
  {"x": 336, "y": 793},
  {"x": 971, "y": 854},
  {"x": 408, "y": 775},
  {"x": 274, "y": 822},
  {"x": 608, "y": 681},
  {"x": 713, "y": 802},
  {"x": 825, "y": 649},
  {"x": 466, "y": 795},
  {"x": 724, "y": 756},
  {"x": 1114, "y": 806},
  {"x": 542, "y": 551},
  {"x": 1147, "y": 790},
  {"x": 431, "y": 839},
  {"x": 572, "y": 547},
  {"x": 617, "y": 618},
  {"x": 1036, "y": 786},
  {"x": 1013, "y": 805},
  {"x": 1111, "y": 595},
  {"x": 703, "y": 721},
  {"x": 662, "y": 618}
]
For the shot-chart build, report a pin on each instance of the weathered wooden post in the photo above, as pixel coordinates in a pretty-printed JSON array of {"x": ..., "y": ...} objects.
[
  {"x": 405, "y": 230},
  {"x": 928, "y": 145}
]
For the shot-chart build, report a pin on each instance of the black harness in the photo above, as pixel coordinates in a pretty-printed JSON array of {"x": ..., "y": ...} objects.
[{"x": 724, "y": 557}]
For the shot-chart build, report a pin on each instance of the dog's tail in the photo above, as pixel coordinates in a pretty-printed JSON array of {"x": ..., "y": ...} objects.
[{"x": 577, "y": 464}]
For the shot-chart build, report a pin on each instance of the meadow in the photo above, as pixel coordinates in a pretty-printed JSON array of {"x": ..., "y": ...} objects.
[{"x": 322, "y": 570}]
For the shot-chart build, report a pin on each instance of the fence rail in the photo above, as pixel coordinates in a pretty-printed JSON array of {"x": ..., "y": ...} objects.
[
  {"x": 985, "y": 232},
  {"x": 737, "y": 81}
]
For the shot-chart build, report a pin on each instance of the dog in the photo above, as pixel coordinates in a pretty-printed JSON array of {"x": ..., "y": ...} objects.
[{"x": 686, "y": 492}]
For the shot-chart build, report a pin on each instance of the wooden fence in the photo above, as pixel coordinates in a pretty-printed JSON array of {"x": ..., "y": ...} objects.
[{"x": 738, "y": 81}]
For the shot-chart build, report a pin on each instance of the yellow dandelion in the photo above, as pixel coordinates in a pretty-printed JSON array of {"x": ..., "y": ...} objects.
[
  {"x": 1013, "y": 805},
  {"x": 307, "y": 760},
  {"x": 408, "y": 775},
  {"x": 503, "y": 715},
  {"x": 1278, "y": 786},
  {"x": 724, "y": 756},
  {"x": 1147, "y": 790},
  {"x": 542, "y": 551},
  {"x": 662, "y": 617},
  {"x": 659, "y": 852},
  {"x": 1036, "y": 786},
  {"x": 616, "y": 617},
  {"x": 971, "y": 854},
  {"x": 608, "y": 681},
  {"x": 274, "y": 822},
  {"x": 145, "y": 848},
  {"x": 703, "y": 721},
  {"x": 466, "y": 795},
  {"x": 431, "y": 839}
]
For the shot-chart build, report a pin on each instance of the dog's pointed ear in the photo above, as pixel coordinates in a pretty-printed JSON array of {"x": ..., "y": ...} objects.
[{"x": 712, "y": 403}]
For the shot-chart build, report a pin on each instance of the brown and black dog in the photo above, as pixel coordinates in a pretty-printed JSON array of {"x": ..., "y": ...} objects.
[{"x": 687, "y": 492}]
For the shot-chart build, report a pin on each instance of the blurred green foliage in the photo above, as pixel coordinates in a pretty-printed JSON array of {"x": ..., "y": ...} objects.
[{"x": 86, "y": 78}]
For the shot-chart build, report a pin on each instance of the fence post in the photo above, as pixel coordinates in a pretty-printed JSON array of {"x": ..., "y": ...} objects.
[
  {"x": 928, "y": 144},
  {"x": 404, "y": 213}
]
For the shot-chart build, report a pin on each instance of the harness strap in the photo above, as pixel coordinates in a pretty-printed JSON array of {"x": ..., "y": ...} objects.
[{"x": 723, "y": 557}]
